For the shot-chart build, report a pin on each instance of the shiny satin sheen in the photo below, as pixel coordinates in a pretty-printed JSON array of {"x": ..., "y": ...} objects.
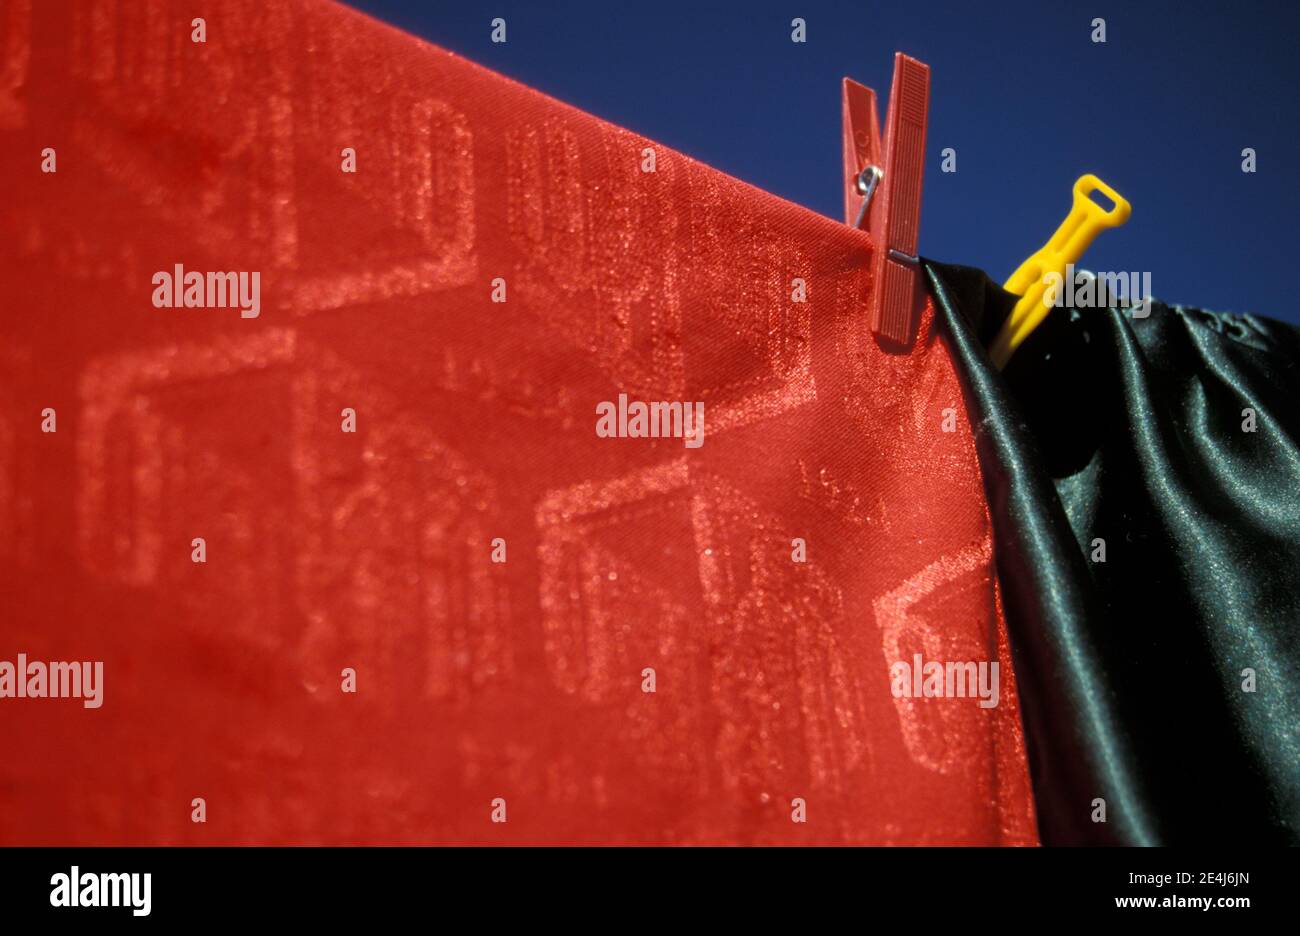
[{"x": 1130, "y": 430}]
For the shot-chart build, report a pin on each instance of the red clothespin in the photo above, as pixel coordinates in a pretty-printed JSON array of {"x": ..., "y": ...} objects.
[
  {"x": 861, "y": 145},
  {"x": 883, "y": 190}
]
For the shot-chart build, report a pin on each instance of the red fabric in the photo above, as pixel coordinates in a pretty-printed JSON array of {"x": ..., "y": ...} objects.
[{"x": 475, "y": 421}]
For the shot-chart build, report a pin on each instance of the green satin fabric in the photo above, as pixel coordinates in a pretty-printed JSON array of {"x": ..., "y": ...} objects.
[{"x": 1131, "y": 670}]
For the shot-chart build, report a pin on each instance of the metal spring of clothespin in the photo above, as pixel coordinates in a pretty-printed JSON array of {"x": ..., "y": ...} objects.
[{"x": 868, "y": 179}]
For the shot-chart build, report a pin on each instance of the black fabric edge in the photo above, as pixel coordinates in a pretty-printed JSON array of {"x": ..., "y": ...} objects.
[{"x": 1071, "y": 730}]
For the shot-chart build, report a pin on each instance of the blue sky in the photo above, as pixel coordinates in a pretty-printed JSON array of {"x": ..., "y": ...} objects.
[{"x": 1161, "y": 111}]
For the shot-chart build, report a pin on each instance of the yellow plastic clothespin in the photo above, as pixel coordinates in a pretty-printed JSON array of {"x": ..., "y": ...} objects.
[{"x": 1081, "y": 226}]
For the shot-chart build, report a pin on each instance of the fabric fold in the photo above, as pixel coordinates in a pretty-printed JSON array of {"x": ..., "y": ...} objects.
[{"x": 1142, "y": 478}]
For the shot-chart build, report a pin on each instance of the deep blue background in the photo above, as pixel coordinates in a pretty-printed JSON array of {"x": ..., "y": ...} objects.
[{"x": 1161, "y": 111}]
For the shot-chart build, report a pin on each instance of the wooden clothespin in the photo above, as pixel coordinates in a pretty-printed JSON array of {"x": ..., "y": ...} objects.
[{"x": 882, "y": 190}]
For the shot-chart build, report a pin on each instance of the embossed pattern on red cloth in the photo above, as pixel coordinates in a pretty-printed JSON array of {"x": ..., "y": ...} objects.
[{"x": 476, "y": 680}]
